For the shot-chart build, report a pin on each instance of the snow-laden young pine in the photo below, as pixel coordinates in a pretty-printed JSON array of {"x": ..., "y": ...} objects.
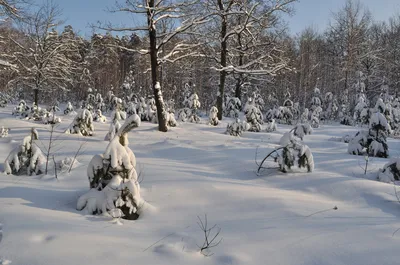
[
  {"x": 372, "y": 142},
  {"x": 22, "y": 109},
  {"x": 331, "y": 107},
  {"x": 232, "y": 107},
  {"x": 113, "y": 180},
  {"x": 189, "y": 111},
  {"x": 4, "y": 132},
  {"x": 295, "y": 151},
  {"x": 99, "y": 117},
  {"x": 69, "y": 108},
  {"x": 82, "y": 124},
  {"x": 151, "y": 110},
  {"x": 116, "y": 117},
  {"x": 315, "y": 117},
  {"x": 390, "y": 171},
  {"x": 361, "y": 112},
  {"x": 270, "y": 125},
  {"x": 236, "y": 128},
  {"x": 254, "y": 116},
  {"x": 315, "y": 99},
  {"x": 213, "y": 119},
  {"x": 27, "y": 158}
]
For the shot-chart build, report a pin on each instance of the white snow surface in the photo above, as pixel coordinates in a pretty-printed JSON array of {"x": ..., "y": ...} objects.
[{"x": 196, "y": 169}]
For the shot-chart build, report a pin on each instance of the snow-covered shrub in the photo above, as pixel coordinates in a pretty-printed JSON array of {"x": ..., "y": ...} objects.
[
  {"x": 69, "y": 108},
  {"x": 390, "y": 171},
  {"x": 294, "y": 152},
  {"x": 50, "y": 118},
  {"x": 26, "y": 158},
  {"x": 331, "y": 106},
  {"x": 170, "y": 118},
  {"x": 131, "y": 108},
  {"x": 116, "y": 117},
  {"x": 4, "y": 132},
  {"x": 315, "y": 117},
  {"x": 113, "y": 180},
  {"x": 304, "y": 116},
  {"x": 213, "y": 119},
  {"x": 99, "y": 117},
  {"x": 253, "y": 117},
  {"x": 316, "y": 100},
  {"x": 21, "y": 110},
  {"x": 142, "y": 109},
  {"x": 232, "y": 107},
  {"x": 151, "y": 111},
  {"x": 372, "y": 142},
  {"x": 236, "y": 128},
  {"x": 194, "y": 104},
  {"x": 67, "y": 163},
  {"x": 273, "y": 114},
  {"x": 184, "y": 114},
  {"x": 271, "y": 126},
  {"x": 82, "y": 124}
]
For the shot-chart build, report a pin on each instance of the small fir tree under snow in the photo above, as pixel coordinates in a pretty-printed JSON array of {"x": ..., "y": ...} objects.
[
  {"x": 21, "y": 110},
  {"x": 194, "y": 105},
  {"x": 99, "y": 117},
  {"x": 213, "y": 119},
  {"x": 236, "y": 128},
  {"x": 69, "y": 108},
  {"x": 4, "y": 132},
  {"x": 116, "y": 117},
  {"x": 390, "y": 172},
  {"x": 295, "y": 153},
  {"x": 26, "y": 158},
  {"x": 151, "y": 110},
  {"x": 271, "y": 126},
  {"x": 82, "y": 124},
  {"x": 113, "y": 180},
  {"x": 361, "y": 112},
  {"x": 142, "y": 109},
  {"x": 232, "y": 107},
  {"x": 331, "y": 107},
  {"x": 253, "y": 117},
  {"x": 316, "y": 100},
  {"x": 372, "y": 142},
  {"x": 297, "y": 133}
]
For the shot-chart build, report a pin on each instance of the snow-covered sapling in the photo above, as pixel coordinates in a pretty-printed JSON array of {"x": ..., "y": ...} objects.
[
  {"x": 271, "y": 126},
  {"x": 390, "y": 172},
  {"x": 99, "y": 117},
  {"x": 213, "y": 119},
  {"x": 82, "y": 124},
  {"x": 21, "y": 110},
  {"x": 151, "y": 111},
  {"x": 237, "y": 127},
  {"x": 372, "y": 142},
  {"x": 113, "y": 180},
  {"x": 194, "y": 104},
  {"x": 232, "y": 107},
  {"x": 26, "y": 158},
  {"x": 4, "y": 132},
  {"x": 69, "y": 108},
  {"x": 254, "y": 118},
  {"x": 116, "y": 117}
]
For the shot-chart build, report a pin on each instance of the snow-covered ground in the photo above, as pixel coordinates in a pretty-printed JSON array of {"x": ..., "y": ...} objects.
[{"x": 194, "y": 170}]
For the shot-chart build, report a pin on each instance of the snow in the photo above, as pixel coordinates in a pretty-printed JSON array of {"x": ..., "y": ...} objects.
[{"x": 195, "y": 169}]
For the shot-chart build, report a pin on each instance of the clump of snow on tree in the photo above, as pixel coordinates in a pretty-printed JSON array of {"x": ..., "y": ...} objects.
[
  {"x": 232, "y": 107},
  {"x": 113, "y": 180},
  {"x": 390, "y": 172},
  {"x": 69, "y": 109},
  {"x": 116, "y": 117},
  {"x": 4, "y": 132},
  {"x": 271, "y": 126},
  {"x": 213, "y": 119}
]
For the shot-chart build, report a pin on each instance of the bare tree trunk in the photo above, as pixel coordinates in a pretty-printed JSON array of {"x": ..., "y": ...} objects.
[
  {"x": 222, "y": 74},
  {"x": 162, "y": 123}
]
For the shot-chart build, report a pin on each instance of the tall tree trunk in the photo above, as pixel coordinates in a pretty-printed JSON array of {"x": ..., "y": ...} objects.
[
  {"x": 35, "y": 95},
  {"x": 162, "y": 123},
  {"x": 222, "y": 74}
]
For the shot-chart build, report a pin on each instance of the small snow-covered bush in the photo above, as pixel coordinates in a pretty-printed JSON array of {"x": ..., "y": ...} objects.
[
  {"x": 117, "y": 116},
  {"x": 99, "y": 117},
  {"x": 26, "y": 158},
  {"x": 4, "y": 132},
  {"x": 271, "y": 126},
  {"x": 390, "y": 172},
  {"x": 151, "y": 111},
  {"x": 237, "y": 127},
  {"x": 82, "y": 124},
  {"x": 171, "y": 121},
  {"x": 113, "y": 180},
  {"x": 373, "y": 142},
  {"x": 21, "y": 110},
  {"x": 294, "y": 152},
  {"x": 296, "y": 134},
  {"x": 254, "y": 118},
  {"x": 232, "y": 107},
  {"x": 67, "y": 163},
  {"x": 213, "y": 119},
  {"x": 69, "y": 108}
]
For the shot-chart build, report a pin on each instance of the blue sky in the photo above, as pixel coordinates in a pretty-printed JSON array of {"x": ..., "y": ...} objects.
[{"x": 80, "y": 13}]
